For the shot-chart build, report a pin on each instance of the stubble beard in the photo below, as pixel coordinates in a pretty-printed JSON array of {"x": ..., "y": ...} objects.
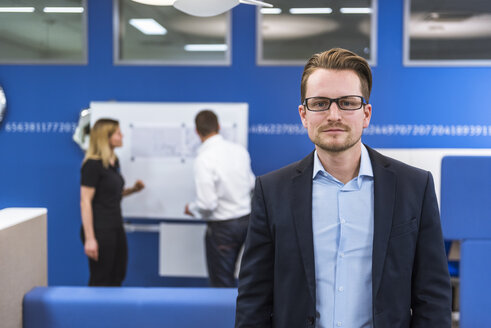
[{"x": 332, "y": 145}]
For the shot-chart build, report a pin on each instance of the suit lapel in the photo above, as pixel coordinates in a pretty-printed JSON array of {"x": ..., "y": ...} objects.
[
  {"x": 384, "y": 198},
  {"x": 301, "y": 202}
]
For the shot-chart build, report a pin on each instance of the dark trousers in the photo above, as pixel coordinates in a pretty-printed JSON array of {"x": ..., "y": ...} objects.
[
  {"x": 110, "y": 269},
  {"x": 223, "y": 241}
]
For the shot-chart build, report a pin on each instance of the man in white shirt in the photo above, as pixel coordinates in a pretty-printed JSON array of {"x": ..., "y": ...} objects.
[{"x": 224, "y": 181}]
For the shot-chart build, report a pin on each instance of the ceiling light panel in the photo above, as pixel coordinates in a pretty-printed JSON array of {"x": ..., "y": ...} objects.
[
  {"x": 64, "y": 10},
  {"x": 270, "y": 11},
  {"x": 17, "y": 9},
  {"x": 310, "y": 11},
  {"x": 205, "y": 47},
  {"x": 148, "y": 26},
  {"x": 355, "y": 10}
]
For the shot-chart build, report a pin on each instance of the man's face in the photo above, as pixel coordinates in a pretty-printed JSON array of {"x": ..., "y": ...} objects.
[{"x": 334, "y": 130}]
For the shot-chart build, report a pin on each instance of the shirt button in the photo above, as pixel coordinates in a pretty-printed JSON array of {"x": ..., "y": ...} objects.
[
  {"x": 341, "y": 288},
  {"x": 339, "y": 324},
  {"x": 343, "y": 221},
  {"x": 341, "y": 254}
]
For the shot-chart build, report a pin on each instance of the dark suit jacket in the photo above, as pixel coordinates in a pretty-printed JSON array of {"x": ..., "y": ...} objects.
[{"x": 410, "y": 280}]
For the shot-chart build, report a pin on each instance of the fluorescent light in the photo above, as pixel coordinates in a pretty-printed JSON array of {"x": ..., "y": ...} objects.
[
  {"x": 270, "y": 11},
  {"x": 148, "y": 26},
  {"x": 205, "y": 47},
  {"x": 64, "y": 10},
  {"x": 355, "y": 10},
  {"x": 300, "y": 11},
  {"x": 256, "y": 3},
  {"x": 17, "y": 9},
  {"x": 156, "y": 2}
]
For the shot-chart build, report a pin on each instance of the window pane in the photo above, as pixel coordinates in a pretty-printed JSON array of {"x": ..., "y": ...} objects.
[
  {"x": 293, "y": 30},
  {"x": 448, "y": 32},
  {"x": 165, "y": 35},
  {"x": 42, "y": 31}
]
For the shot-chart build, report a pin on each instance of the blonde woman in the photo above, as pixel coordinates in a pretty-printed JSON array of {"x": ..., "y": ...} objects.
[{"x": 102, "y": 188}]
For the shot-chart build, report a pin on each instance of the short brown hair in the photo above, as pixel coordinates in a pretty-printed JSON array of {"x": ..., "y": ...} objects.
[
  {"x": 206, "y": 122},
  {"x": 339, "y": 59}
]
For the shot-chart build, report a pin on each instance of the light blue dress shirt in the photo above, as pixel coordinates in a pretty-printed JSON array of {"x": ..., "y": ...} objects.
[{"x": 342, "y": 223}]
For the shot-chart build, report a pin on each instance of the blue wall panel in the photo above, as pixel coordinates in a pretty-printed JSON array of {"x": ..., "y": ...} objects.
[
  {"x": 465, "y": 205},
  {"x": 41, "y": 167}
]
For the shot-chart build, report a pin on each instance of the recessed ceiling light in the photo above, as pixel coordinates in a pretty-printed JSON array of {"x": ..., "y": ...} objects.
[
  {"x": 303, "y": 11},
  {"x": 270, "y": 11},
  {"x": 355, "y": 10},
  {"x": 205, "y": 47},
  {"x": 148, "y": 26},
  {"x": 64, "y": 10},
  {"x": 17, "y": 9}
]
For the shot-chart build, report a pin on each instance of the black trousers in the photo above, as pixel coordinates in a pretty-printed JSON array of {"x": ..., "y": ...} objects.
[
  {"x": 223, "y": 241},
  {"x": 110, "y": 269}
]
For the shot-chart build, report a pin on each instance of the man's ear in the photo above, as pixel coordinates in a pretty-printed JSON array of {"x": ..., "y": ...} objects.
[
  {"x": 367, "y": 110},
  {"x": 302, "y": 113}
]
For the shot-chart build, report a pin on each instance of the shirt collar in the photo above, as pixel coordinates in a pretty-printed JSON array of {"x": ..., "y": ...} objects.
[
  {"x": 365, "y": 165},
  {"x": 209, "y": 141}
]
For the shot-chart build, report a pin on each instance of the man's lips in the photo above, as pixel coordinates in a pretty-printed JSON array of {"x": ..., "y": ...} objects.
[{"x": 334, "y": 129}]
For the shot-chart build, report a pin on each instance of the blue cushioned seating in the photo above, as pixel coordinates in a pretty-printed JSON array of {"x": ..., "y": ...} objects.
[
  {"x": 453, "y": 266},
  {"x": 77, "y": 307},
  {"x": 465, "y": 209}
]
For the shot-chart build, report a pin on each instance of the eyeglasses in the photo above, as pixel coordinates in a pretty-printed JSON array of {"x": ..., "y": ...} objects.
[{"x": 320, "y": 104}]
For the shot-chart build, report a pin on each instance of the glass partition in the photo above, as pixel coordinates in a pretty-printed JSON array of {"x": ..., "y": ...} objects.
[
  {"x": 450, "y": 32},
  {"x": 163, "y": 35},
  {"x": 293, "y": 30},
  {"x": 43, "y": 32}
]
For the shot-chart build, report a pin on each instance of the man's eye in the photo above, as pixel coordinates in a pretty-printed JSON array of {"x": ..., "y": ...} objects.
[{"x": 320, "y": 104}]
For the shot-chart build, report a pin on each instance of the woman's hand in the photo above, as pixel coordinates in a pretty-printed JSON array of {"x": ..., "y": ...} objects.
[
  {"x": 139, "y": 185},
  {"x": 92, "y": 249}
]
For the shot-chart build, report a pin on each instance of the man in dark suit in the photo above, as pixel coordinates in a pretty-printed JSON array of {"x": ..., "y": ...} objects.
[{"x": 345, "y": 237}]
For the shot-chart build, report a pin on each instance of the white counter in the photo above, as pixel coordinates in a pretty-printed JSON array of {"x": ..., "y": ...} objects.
[{"x": 23, "y": 259}]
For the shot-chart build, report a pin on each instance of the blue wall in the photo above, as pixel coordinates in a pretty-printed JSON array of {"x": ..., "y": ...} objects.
[{"x": 42, "y": 168}]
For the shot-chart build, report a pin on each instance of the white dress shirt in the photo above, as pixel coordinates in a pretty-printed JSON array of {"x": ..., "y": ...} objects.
[{"x": 223, "y": 180}]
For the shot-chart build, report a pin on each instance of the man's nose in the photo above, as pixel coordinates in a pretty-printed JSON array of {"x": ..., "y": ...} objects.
[{"x": 334, "y": 113}]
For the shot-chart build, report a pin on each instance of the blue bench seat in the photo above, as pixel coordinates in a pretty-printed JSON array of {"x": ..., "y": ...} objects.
[{"x": 105, "y": 307}]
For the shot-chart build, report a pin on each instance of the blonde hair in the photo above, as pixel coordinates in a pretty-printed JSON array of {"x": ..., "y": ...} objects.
[
  {"x": 99, "y": 146},
  {"x": 339, "y": 59}
]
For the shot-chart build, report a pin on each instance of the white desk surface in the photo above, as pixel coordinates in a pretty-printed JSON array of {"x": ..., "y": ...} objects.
[{"x": 15, "y": 215}]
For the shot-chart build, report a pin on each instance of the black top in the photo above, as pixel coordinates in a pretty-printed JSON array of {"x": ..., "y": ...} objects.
[{"x": 108, "y": 184}]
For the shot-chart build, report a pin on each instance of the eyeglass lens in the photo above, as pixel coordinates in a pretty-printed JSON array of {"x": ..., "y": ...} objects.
[{"x": 344, "y": 103}]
